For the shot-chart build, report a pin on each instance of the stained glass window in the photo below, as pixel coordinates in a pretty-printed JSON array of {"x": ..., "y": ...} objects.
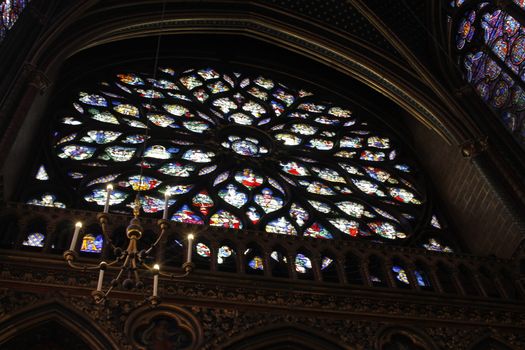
[
  {"x": 91, "y": 243},
  {"x": 237, "y": 151},
  {"x": 490, "y": 44},
  {"x": 11, "y": 10},
  {"x": 35, "y": 239}
]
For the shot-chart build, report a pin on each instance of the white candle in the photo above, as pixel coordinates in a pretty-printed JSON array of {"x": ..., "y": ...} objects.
[
  {"x": 190, "y": 244},
  {"x": 109, "y": 188},
  {"x": 156, "y": 269},
  {"x": 101, "y": 276},
  {"x": 78, "y": 226},
  {"x": 166, "y": 200}
]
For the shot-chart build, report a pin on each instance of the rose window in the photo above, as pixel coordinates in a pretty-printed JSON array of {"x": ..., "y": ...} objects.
[{"x": 236, "y": 151}]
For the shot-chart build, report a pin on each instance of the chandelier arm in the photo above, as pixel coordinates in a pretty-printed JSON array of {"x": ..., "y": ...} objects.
[
  {"x": 163, "y": 226},
  {"x": 82, "y": 267},
  {"x": 103, "y": 219}
]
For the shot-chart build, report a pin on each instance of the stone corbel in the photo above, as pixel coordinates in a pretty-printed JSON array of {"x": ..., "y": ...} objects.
[{"x": 474, "y": 147}]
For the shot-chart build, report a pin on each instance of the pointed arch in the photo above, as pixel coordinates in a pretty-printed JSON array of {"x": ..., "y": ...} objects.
[
  {"x": 284, "y": 336},
  {"x": 56, "y": 311}
]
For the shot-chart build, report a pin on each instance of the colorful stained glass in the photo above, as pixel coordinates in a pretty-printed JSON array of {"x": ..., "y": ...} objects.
[
  {"x": 278, "y": 108},
  {"x": 159, "y": 152},
  {"x": 78, "y": 152},
  {"x": 161, "y": 120},
  {"x": 340, "y": 112},
  {"x": 400, "y": 274},
  {"x": 254, "y": 108},
  {"x": 378, "y": 142},
  {"x": 196, "y": 126},
  {"x": 435, "y": 222},
  {"x": 175, "y": 190},
  {"x": 225, "y": 219},
  {"x": 104, "y": 117},
  {"x": 350, "y": 227},
  {"x": 207, "y": 170},
  {"x": 209, "y": 131},
  {"x": 368, "y": 187},
  {"x": 317, "y": 231},
  {"x": 317, "y": 187},
  {"x": 326, "y": 262},
  {"x": 386, "y": 230},
  {"x": 201, "y": 249},
  {"x": 221, "y": 178},
  {"x": 42, "y": 174},
  {"x": 303, "y": 129},
  {"x": 150, "y": 93},
  {"x": 225, "y": 104},
  {"x": 248, "y": 178},
  {"x": 47, "y": 200},
  {"x": 253, "y": 215},
  {"x": 68, "y": 138},
  {"x": 218, "y": 87},
  {"x": 120, "y": 153},
  {"x": 241, "y": 118},
  {"x": 351, "y": 208},
  {"x": 320, "y": 144},
  {"x": 177, "y": 169},
  {"x": 320, "y": 206},
  {"x": 302, "y": 263},
  {"x": 10, "y": 10},
  {"x": 163, "y": 84},
  {"x": 127, "y": 109},
  {"x": 135, "y": 123},
  {"x": 402, "y": 195},
  {"x": 143, "y": 183},
  {"x": 131, "y": 79},
  {"x": 372, "y": 156},
  {"x": 224, "y": 253},
  {"x": 288, "y": 139},
  {"x": 103, "y": 136},
  {"x": 351, "y": 142},
  {"x": 267, "y": 201},
  {"x": 93, "y": 99},
  {"x": 281, "y": 226},
  {"x": 35, "y": 239},
  {"x": 103, "y": 179},
  {"x": 256, "y": 263},
  {"x": 177, "y": 110},
  {"x": 198, "y": 156},
  {"x": 75, "y": 175},
  {"x": 312, "y": 107},
  {"x": 245, "y": 148},
  {"x": 434, "y": 245},
  {"x": 92, "y": 243},
  {"x": 71, "y": 121},
  {"x": 329, "y": 175},
  {"x": 190, "y": 82},
  {"x": 258, "y": 93},
  {"x": 421, "y": 278},
  {"x": 233, "y": 196},
  {"x": 203, "y": 201},
  {"x": 294, "y": 168},
  {"x": 99, "y": 195},
  {"x": 265, "y": 83},
  {"x": 284, "y": 96},
  {"x": 187, "y": 216},
  {"x": 208, "y": 73}
]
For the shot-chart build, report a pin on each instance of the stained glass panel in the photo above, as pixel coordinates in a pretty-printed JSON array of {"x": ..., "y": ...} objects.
[{"x": 236, "y": 152}]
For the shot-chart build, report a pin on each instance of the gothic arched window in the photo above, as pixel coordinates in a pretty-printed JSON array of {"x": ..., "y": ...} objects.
[
  {"x": 490, "y": 43},
  {"x": 232, "y": 150}
]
